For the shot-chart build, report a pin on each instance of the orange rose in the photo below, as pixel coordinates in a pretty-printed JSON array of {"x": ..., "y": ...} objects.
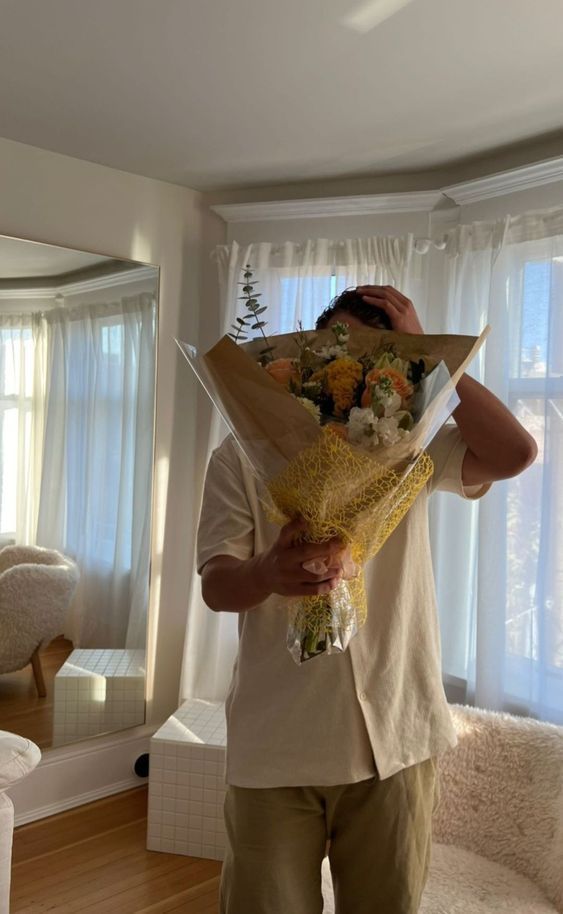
[
  {"x": 398, "y": 381},
  {"x": 283, "y": 371}
]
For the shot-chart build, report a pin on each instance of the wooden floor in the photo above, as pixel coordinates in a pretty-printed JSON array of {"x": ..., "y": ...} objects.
[
  {"x": 93, "y": 860},
  {"x": 21, "y": 709}
]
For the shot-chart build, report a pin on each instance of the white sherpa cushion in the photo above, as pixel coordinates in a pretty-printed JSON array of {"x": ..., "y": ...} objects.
[
  {"x": 461, "y": 882},
  {"x": 36, "y": 587},
  {"x": 18, "y": 756}
]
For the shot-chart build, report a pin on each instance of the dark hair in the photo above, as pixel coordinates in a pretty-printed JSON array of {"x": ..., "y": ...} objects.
[{"x": 351, "y": 302}]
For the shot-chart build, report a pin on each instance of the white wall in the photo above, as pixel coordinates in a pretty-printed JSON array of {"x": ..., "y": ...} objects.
[{"x": 59, "y": 200}]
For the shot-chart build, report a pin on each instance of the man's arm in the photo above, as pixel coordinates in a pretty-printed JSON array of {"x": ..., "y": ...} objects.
[
  {"x": 236, "y": 585},
  {"x": 498, "y": 446}
]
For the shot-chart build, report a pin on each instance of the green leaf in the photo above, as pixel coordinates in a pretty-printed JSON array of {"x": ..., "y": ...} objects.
[
  {"x": 242, "y": 320},
  {"x": 261, "y": 310},
  {"x": 259, "y": 325}
]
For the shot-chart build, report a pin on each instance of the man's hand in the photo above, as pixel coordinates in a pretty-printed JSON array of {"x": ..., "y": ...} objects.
[
  {"x": 399, "y": 309},
  {"x": 281, "y": 570},
  {"x": 235, "y": 585}
]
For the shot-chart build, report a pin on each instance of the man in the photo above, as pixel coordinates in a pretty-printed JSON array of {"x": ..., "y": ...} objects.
[{"x": 343, "y": 747}]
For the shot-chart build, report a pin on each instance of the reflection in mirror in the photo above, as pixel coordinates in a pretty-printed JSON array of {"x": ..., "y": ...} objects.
[{"x": 77, "y": 391}]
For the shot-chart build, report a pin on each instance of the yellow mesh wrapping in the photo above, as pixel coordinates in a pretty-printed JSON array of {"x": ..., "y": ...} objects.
[{"x": 343, "y": 492}]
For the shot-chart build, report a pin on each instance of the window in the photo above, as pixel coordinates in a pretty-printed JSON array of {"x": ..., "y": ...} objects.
[
  {"x": 16, "y": 390},
  {"x": 314, "y": 296},
  {"x": 534, "y": 613}
]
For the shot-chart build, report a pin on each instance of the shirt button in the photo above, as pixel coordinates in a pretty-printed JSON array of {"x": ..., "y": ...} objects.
[{"x": 362, "y": 696}]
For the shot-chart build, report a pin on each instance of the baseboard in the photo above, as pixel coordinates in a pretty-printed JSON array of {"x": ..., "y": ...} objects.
[
  {"x": 42, "y": 812},
  {"x": 78, "y": 774}
]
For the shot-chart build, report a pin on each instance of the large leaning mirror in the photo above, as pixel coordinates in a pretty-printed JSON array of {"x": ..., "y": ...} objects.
[{"x": 77, "y": 393}]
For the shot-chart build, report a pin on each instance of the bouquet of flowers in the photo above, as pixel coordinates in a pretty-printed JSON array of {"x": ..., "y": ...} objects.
[{"x": 335, "y": 424}]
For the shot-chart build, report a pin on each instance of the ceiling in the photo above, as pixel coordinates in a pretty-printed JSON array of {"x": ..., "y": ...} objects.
[
  {"x": 232, "y": 93},
  {"x": 21, "y": 259}
]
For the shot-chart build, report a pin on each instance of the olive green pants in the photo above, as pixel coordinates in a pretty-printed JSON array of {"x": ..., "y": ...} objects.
[{"x": 379, "y": 833}]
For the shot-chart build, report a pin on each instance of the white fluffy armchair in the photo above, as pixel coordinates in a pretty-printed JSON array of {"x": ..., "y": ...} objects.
[
  {"x": 498, "y": 829},
  {"x": 36, "y": 587},
  {"x": 18, "y": 756}
]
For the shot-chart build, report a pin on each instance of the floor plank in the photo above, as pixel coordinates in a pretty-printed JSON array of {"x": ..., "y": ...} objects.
[
  {"x": 75, "y": 825},
  {"x": 22, "y": 711},
  {"x": 93, "y": 860}
]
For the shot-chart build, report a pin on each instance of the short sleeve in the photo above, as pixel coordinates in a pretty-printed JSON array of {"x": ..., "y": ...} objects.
[
  {"x": 226, "y": 524},
  {"x": 447, "y": 450}
]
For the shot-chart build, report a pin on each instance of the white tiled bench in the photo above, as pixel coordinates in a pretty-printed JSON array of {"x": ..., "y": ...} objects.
[
  {"x": 98, "y": 691},
  {"x": 187, "y": 782}
]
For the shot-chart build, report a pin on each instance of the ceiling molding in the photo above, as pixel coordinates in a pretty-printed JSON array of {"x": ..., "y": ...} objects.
[
  {"x": 66, "y": 289},
  {"x": 506, "y": 182},
  {"x": 123, "y": 278},
  {"x": 277, "y": 210}
]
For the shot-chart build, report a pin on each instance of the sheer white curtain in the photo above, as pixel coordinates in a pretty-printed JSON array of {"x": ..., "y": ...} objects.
[
  {"x": 499, "y": 562},
  {"x": 95, "y": 496},
  {"x": 296, "y": 281},
  {"x": 22, "y": 396}
]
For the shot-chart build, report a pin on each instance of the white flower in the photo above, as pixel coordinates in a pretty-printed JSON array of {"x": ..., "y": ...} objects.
[
  {"x": 365, "y": 429},
  {"x": 335, "y": 351},
  {"x": 312, "y": 408},
  {"x": 389, "y": 399},
  {"x": 389, "y": 432},
  {"x": 341, "y": 331},
  {"x": 362, "y": 427}
]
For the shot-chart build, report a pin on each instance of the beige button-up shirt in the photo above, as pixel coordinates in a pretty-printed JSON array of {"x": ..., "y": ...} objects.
[{"x": 339, "y": 718}]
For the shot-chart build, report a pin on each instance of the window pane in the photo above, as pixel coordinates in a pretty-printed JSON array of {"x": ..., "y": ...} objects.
[
  {"x": 16, "y": 362},
  {"x": 539, "y": 336},
  {"x": 302, "y": 298},
  {"x": 534, "y": 622},
  {"x": 9, "y": 468}
]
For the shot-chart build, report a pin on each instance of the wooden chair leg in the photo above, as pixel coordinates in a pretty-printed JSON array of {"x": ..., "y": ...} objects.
[{"x": 38, "y": 674}]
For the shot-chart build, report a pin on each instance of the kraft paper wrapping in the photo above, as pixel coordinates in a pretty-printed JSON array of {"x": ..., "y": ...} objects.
[
  {"x": 339, "y": 488},
  {"x": 272, "y": 427}
]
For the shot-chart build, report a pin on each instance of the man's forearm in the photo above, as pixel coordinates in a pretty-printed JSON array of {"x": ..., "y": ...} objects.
[
  {"x": 233, "y": 585},
  {"x": 490, "y": 430}
]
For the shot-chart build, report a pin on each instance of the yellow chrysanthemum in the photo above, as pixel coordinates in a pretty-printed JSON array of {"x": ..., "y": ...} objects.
[{"x": 342, "y": 378}]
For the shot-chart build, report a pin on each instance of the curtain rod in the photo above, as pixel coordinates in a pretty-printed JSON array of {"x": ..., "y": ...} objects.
[{"x": 421, "y": 245}]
